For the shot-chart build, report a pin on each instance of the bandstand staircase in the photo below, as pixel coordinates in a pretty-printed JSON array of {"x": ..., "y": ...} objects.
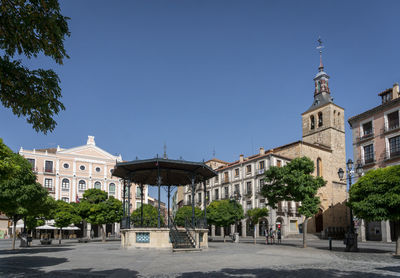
[{"x": 181, "y": 239}]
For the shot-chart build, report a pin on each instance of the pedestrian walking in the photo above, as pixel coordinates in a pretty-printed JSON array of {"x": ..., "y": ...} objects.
[
  {"x": 279, "y": 236},
  {"x": 266, "y": 236}
]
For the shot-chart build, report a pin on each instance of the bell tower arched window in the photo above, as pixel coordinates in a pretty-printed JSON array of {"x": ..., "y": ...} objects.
[
  {"x": 319, "y": 167},
  {"x": 312, "y": 122},
  {"x": 320, "y": 120}
]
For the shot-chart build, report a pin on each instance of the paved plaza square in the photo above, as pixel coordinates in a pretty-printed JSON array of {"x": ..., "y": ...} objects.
[{"x": 244, "y": 259}]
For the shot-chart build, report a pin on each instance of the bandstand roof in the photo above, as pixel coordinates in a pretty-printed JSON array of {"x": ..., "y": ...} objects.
[{"x": 172, "y": 172}]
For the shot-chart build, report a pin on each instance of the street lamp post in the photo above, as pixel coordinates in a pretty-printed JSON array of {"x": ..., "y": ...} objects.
[
  {"x": 351, "y": 236},
  {"x": 236, "y": 197}
]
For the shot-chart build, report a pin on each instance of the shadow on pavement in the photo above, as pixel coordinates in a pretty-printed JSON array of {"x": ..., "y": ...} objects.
[
  {"x": 266, "y": 272},
  {"x": 28, "y": 262},
  {"x": 391, "y": 268},
  {"x": 34, "y": 250},
  {"x": 79, "y": 272},
  {"x": 360, "y": 250}
]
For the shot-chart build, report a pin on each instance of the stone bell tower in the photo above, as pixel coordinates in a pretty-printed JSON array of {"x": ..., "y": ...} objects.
[{"x": 323, "y": 122}]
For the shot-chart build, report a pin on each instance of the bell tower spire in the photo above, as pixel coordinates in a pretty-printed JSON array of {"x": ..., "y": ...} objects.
[{"x": 321, "y": 79}]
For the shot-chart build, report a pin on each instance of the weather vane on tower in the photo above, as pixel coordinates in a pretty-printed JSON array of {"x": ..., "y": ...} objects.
[{"x": 320, "y": 47}]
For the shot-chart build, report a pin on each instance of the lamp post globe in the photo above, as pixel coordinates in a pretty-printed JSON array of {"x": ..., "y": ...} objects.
[{"x": 349, "y": 164}]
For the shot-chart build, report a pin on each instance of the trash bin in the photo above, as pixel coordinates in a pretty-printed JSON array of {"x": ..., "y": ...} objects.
[{"x": 29, "y": 241}]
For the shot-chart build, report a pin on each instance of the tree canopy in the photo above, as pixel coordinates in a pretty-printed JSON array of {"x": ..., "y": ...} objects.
[
  {"x": 256, "y": 214},
  {"x": 64, "y": 215},
  {"x": 376, "y": 196},
  {"x": 294, "y": 182},
  {"x": 184, "y": 213},
  {"x": 98, "y": 209},
  {"x": 20, "y": 194},
  {"x": 29, "y": 28},
  {"x": 150, "y": 216},
  {"x": 223, "y": 213}
]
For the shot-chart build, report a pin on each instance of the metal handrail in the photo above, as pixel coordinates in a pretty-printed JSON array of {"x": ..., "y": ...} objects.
[
  {"x": 188, "y": 232},
  {"x": 173, "y": 231}
]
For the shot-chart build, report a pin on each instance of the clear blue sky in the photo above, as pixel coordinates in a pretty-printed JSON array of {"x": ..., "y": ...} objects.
[{"x": 198, "y": 75}]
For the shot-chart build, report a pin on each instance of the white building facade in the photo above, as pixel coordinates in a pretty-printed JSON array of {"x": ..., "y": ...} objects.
[
  {"x": 246, "y": 176},
  {"x": 68, "y": 173}
]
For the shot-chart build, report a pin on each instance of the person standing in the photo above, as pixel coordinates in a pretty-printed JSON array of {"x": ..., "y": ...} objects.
[
  {"x": 266, "y": 235},
  {"x": 271, "y": 236},
  {"x": 279, "y": 236}
]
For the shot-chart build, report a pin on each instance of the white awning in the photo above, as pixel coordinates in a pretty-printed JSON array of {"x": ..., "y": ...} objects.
[{"x": 46, "y": 227}]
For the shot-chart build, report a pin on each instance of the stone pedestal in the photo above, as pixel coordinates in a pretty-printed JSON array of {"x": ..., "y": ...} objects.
[
  {"x": 213, "y": 230},
  {"x": 385, "y": 228},
  {"x": 244, "y": 228}
]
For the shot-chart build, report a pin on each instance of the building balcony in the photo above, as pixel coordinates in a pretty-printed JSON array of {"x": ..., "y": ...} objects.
[
  {"x": 50, "y": 189},
  {"x": 260, "y": 172},
  {"x": 49, "y": 171},
  {"x": 365, "y": 137},
  {"x": 35, "y": 169},
  {"x": 248, "y": 194},
  {"x": 392, "y": 126},
  {"x": 280, "y": 213},
  {"x": 225, "y": 181},
  {"x": 65, "y": 189}
]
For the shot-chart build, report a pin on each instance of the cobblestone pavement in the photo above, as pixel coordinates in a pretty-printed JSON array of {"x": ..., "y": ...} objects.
[{"x": 221, "y": 260}]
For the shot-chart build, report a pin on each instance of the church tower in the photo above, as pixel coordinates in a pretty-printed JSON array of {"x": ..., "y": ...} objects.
[
  {"x": 323, "y": 122},
  {"x": 323, "y": 128}
]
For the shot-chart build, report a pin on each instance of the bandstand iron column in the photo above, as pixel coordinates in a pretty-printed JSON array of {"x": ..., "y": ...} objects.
[
  {"x": 193, "y": 188},
  {"x": 169, "y": 196},
  {"x": 141, "y": 205},
  {"x": 205, "y": 204},
  {"x": 124, "y": 205},
  {"x": 159, "y": 194},
  {"x": 129, "y": 206}
]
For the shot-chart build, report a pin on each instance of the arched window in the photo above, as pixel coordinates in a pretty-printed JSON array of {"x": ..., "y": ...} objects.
[
  {"x": 312, "y": 122},
  {"x": 320, "y": 121},
  {"x": 319, "y": 167},
  {"x": 111, "y": 188},
  {"x": 97, "y": 185},
  {"x": 65, "y": 184},
  {"x": 82, "y": 185}
]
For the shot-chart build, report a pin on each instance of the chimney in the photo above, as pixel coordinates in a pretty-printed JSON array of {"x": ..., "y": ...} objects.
[
  {"x": 262, "y": 151},
  {"x": 241, "y": 158},
  {"x": 395, "y": 91}
]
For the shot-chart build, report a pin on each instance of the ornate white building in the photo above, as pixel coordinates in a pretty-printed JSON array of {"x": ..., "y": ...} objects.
[{"x": 67, "y": 173}]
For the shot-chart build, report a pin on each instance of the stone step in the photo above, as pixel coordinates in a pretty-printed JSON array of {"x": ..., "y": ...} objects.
[{"x": 186, "y": 250}]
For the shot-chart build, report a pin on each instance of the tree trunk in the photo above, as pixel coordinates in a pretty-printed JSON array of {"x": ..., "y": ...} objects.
[
  {"x": 60, "y": 236},
  {"x": 103, "y": 233},
  {"x": 305, "y": 232},
  {"x": 255, "y": 235},
  {"x": 397, "y": 233},
  {"x": 13, "y": 234}
]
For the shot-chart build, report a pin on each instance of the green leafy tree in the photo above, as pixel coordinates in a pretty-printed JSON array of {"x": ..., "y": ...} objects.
[
  {"x": 294, "y": 182},
  {"x": 184, "y": 213},
  {"x": 65, "y": 215},
  {"x": 150, "y": 216},
  {"x": 29, "y": 28},
  {"x": 97, "y": 209},
  {"x": 20, "y": 195},
  {"x": 223, "y": 213},
  {"x": 254, "y": 215},
  {"x": 41, "y": 214},
  {"x": 376, "y": 197}
]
